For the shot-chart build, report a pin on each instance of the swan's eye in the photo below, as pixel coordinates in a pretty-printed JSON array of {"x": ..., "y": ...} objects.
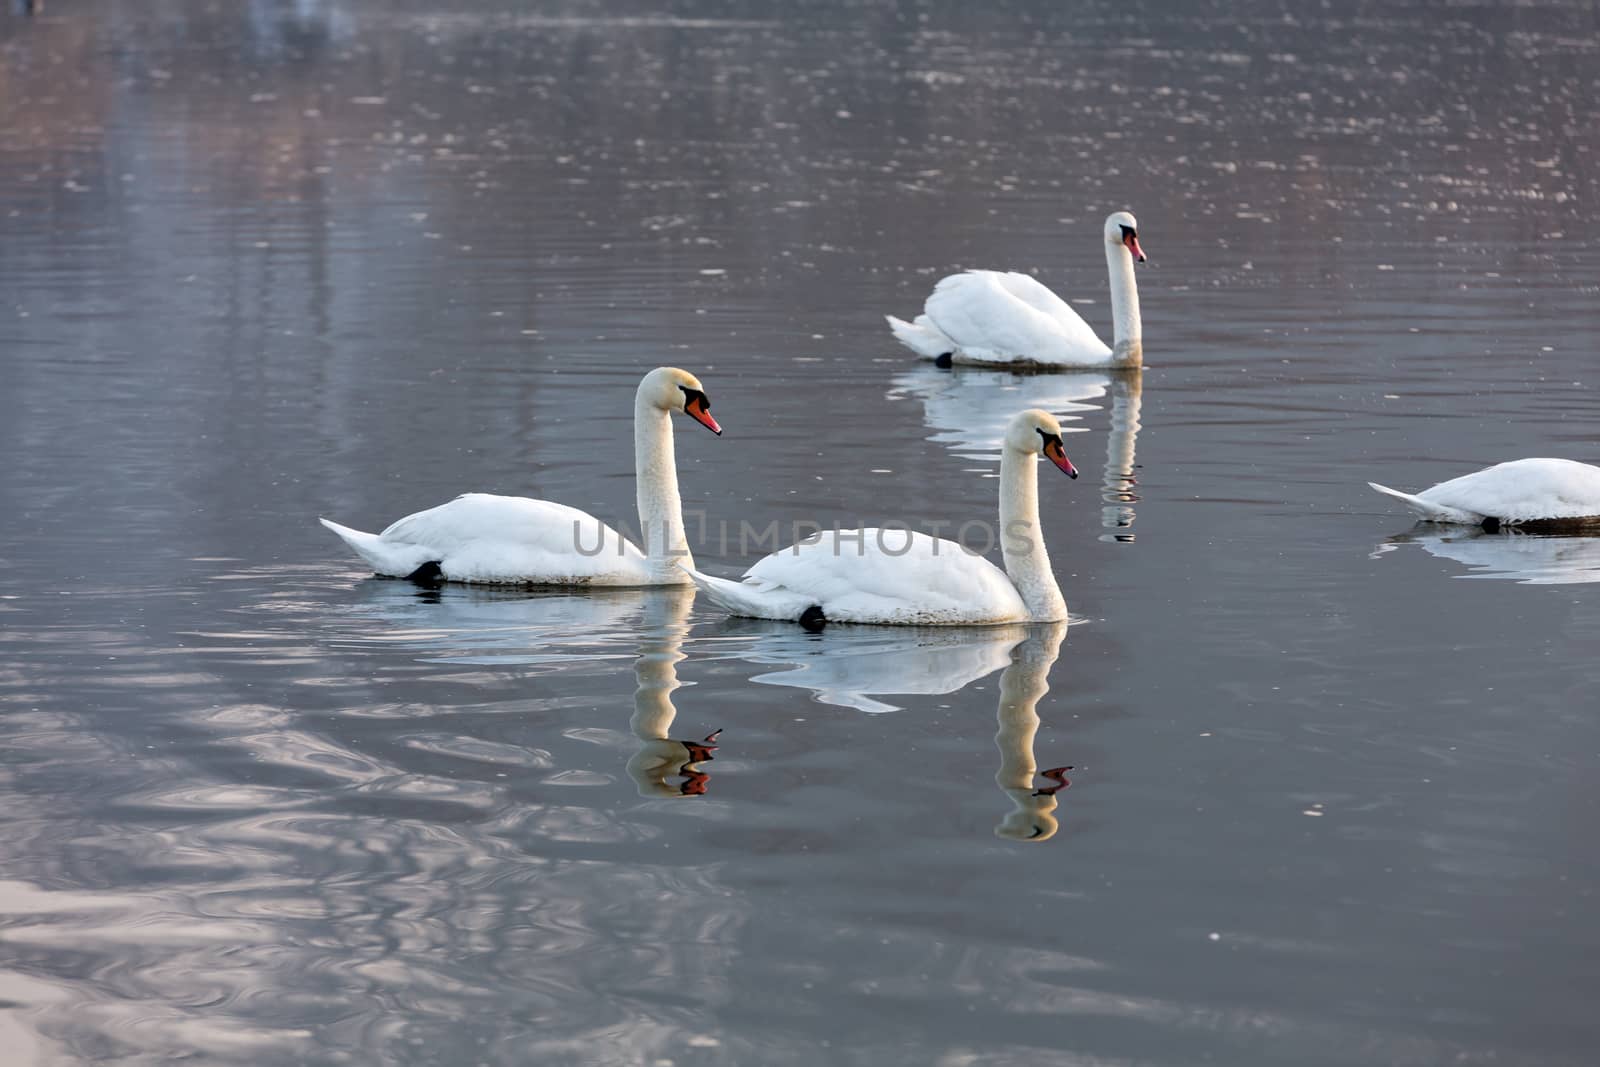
[
  {"x": 698, "y": 407},
  {"x": 1056, "y": 453},
  {"x": 1129, "y": 231}
]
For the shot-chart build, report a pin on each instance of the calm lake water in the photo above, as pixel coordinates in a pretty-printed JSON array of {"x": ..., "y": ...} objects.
[{"x": 259, "y": 262}]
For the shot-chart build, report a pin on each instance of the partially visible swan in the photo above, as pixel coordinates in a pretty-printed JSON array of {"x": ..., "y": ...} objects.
[
  {"x": 1025, "y": 681},
  {"x": 659, "y": 757},
  {"x": 1002, "y": 317},
  {"x": 480, "y": 537},
  {"x": 1523, "y": 491},
  {"x": 897, "y": 577}
]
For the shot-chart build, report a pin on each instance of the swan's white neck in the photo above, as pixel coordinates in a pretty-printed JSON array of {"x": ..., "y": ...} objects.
[
  {"x": 1022, "y": 542},
  {"x": 655, "y": 467},
  {"x": 1126, "y": 331}
]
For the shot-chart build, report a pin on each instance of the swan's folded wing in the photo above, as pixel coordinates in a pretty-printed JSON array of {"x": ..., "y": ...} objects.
[
  {"x": 514, "y": 523},
  {"x": 1010, "y": 315},
  {"x": 1524, "y": 490},
  {"x": 1041, "y": 298},
  {"x": 876, "y": 575}
]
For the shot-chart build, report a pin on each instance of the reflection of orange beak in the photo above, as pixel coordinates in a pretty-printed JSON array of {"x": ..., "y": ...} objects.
[
  {"x": 1058, "y": 456},
  {"x": 697, "y": 412},
  {"x": 1133, "y": 246}
]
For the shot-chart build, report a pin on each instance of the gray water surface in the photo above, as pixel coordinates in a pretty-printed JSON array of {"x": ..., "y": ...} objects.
[{"x": 261, "y": 262}]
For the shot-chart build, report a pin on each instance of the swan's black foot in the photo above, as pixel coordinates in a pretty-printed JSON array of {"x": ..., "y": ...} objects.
[
  {"x": 1491, "y": 525},
  {"x": 945, "y": 359},
  {"x": 813, "y": 619},
  {"x": 430, "y": 574}
]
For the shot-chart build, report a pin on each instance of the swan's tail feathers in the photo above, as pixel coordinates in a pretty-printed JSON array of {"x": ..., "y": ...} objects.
[
  {"x": 922, "y": 337},
  {"x": 1428, "y": 511},
  {"x": 745, "y": 598},
  {"x": 384, "y": 557}
]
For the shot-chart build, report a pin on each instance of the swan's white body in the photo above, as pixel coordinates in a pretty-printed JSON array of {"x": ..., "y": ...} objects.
[
  {"x": 896, "y": 577},
  {"x": 480, "y": 537},
  {"x": 1002, "y": 318},
  {"x": 1514, "y": 493}
]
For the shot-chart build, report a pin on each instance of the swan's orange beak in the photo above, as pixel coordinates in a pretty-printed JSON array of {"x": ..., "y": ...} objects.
[
  {"x": 1132, "y": 241},
  {"x": 1058, "y": 455},
  {"x": 698, "y": 408}
]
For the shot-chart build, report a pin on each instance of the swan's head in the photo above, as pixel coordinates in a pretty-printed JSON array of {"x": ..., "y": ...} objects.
[
  {"x": 671, "y": 389},
  {"x": 1123, "y": 229},
  {"x": 1035, "y": 432}
]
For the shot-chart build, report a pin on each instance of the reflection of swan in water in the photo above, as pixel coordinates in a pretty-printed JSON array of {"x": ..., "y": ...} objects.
[
  {"x": 968, "y": 409},
  {"x": 1024, "y": 683},
  {"x": 847, "y": 668},
  {"x": 482, "y": 624},
  {"x": 659, "y": 758},
  {"x": 1532, "y": 559}
]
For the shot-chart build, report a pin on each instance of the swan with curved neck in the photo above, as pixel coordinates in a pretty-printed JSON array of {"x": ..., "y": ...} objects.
[
  {"x": 896, "y": 577},
  {"x": 1003, "y": 318},
  {"x": 514, "y": 540}
]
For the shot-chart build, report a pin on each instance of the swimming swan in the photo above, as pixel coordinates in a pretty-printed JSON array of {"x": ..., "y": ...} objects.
[
  {"x": 897, "y": 577},
  {"x": 1005, "y": 318},
  {"x": 481, "y": 537},
  {"x": 1511, "y": 494}
]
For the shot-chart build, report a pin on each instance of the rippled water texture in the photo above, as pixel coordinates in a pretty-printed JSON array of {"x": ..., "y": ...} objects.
[{"x": 261, "y": 262}]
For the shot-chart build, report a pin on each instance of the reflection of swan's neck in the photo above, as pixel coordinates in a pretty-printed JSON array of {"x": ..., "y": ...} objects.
[
  {"x": 656, "y": 488},
  {"x": 1021, "y": 540},
  {"x": 656, "y": 672},
  {"x": 1117, "y": 488},
  {"x": 1022, "y": 686},
  {"x": 1126, "y": 331}
]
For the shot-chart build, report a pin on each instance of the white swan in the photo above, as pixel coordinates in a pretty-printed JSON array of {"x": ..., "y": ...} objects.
[
  {"x": 1005, "y": 318},
  {"x": 480, "y": 537},
  {"x": 897, "y": 577},
  {"x": 1517, "y": 493}
]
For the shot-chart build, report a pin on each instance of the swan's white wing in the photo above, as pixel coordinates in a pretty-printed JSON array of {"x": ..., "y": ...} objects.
[
  {"x": 1524, "y": 490},
  {"x": 889, "y": 576},
  {"x": 1005, "y": 318},
  {"x": 480, "y": 537}
]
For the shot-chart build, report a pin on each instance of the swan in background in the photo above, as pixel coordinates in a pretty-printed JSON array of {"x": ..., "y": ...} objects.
[
  {"x": 659, "y": 757},
  {"x": 1523, "y": 491},
  {"x": 897, "y": 577},
  {"x": 848, "y": 670},
  {"x": 1527, "y": 558},
  {"x": 1025, "y": 681},
  {"x": 968, "y": 407},
  {"x": 481, "y": 537},
  {"x": 1006, "y": 318}
]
